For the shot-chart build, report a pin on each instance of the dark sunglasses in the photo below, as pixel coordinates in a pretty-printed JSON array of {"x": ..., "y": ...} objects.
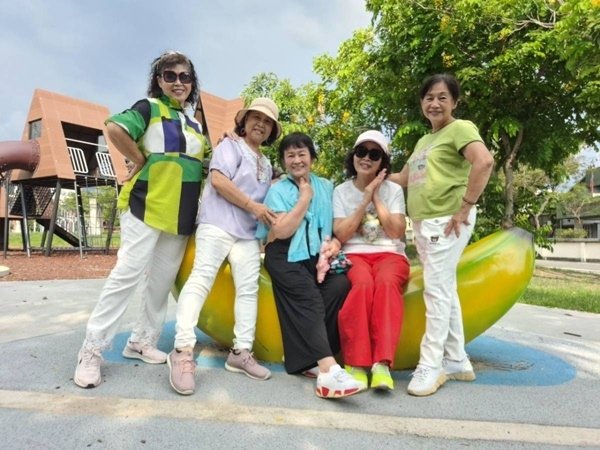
[
  {"x": 170, "y": 77},
  {"x": 374, "y": 154}
]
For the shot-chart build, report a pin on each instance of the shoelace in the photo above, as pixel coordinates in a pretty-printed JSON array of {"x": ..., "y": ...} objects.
[
  {"x": 342, "y": 376},
  {"x": 91, "y": 360},
  {"x": 421, "y": 373},
  {"x": 187, "y": 366},
  {"x": 249, "y": 359}
]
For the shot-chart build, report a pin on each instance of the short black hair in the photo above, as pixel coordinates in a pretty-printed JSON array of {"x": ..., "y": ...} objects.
[
  {"x": 297, "y": 140},
  {"x": 449, "y": 80}
]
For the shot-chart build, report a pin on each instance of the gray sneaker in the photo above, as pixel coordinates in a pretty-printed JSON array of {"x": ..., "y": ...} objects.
[
  {"x": 242, "y": 361},
  {"x": 182, "y": 368},
  {"x": 87, "y": 372}
]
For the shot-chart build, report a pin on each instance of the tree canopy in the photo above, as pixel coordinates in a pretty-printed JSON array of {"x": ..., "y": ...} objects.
[{"x": 529, "y": 71}]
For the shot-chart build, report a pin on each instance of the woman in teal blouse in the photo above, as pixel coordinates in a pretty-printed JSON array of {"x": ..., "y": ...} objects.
[{"x": 307, "y": 309}]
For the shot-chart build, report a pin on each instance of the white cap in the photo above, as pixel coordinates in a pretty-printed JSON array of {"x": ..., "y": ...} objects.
[{"x": 373, "y": 136}]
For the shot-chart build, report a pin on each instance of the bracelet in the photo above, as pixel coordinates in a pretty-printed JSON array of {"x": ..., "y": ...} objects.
[
  {"x": 469, "y": 202},
  {"x": 246, "y": 204}
]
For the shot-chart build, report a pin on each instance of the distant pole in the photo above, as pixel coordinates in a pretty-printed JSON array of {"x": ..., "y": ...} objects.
[{"x": 4, "y": 181}]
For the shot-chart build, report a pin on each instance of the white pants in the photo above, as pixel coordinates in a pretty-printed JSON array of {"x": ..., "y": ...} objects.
[
  {"x": 213, "y": 245},
  {"x": 439, "y": 255},
  {"x": 145, "y": 255}
]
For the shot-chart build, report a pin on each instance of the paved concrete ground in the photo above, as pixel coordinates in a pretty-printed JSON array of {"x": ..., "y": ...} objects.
[
  {"x": 538, "y": 386},
  {"x": 591, "y": 267}
]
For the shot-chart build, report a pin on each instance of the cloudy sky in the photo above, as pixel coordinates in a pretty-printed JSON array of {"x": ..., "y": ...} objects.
[{"x": 100, "y": 50}]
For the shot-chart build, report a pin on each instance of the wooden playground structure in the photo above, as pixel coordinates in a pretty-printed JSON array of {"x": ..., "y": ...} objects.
[{"x": 64, "y": 155}]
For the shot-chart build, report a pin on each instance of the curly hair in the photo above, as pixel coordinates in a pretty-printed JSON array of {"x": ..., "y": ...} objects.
[{"x": 166, "y": 61}]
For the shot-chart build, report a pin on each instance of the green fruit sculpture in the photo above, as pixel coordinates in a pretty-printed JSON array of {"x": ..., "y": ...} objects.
[{"x": 492, "y": 274}]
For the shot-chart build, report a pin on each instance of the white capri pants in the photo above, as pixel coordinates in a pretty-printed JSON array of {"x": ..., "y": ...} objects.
[
  {"x": 213, "y": 245},
  {"x": 146, "y": 255}
]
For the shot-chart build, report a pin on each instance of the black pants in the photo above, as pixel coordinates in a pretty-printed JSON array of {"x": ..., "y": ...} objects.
[{"x": 307, "y": 311}]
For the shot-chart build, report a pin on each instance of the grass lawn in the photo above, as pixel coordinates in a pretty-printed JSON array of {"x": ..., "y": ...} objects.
[
  {"x": 552, "y": 288},
  {"x": 15, "y": 242},
  {"x": 565, "y": 289}
]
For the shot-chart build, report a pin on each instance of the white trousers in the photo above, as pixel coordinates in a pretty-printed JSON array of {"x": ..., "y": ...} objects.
[
  {"x": 213, "y": 245},
  {"x": 146, "y": 255},
  {"x": 439, "y": 255}
]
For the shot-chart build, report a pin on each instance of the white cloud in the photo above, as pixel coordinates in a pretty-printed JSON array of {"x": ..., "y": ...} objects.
[{"x": 101, "y": 51}]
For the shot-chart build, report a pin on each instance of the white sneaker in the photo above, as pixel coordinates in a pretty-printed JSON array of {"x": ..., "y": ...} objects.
[
  {"x": 337, "y": 383},
  {"x": 426, "y": 381},
  {"x": 145, "y": 352},
  {"x": 87, "y": 372},
  {"x": 459, "y": 370}
]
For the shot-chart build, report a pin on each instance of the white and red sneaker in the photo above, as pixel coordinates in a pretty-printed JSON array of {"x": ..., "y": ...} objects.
[{"x": 337, "y": 383}]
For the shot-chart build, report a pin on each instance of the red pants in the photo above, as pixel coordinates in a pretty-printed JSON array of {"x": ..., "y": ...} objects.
[{"x": 371, "y": 317}]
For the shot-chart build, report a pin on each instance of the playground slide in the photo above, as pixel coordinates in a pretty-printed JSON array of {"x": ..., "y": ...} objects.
[
  {"x": 492, "y": 274},
  {"x": 19, "y": 155}
]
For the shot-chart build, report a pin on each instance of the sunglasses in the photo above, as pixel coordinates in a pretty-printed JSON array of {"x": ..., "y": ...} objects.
[
  {"x": 374, "y": 154},
  {"x": 170, "y": 77}
]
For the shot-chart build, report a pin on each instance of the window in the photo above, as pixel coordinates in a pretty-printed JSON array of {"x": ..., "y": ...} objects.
[{"x": 35, "y": 129}]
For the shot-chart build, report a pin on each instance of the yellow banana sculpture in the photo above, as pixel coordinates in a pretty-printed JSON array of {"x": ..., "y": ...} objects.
[{"x": 492, "y": 274}]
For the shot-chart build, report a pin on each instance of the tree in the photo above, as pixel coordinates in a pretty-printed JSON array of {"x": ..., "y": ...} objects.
[
  {"x": 522, "y": 80},
  {"x": 302, "y": 109},
  {"x": 578, "y": 40},
  {"x": 105, "y": 197},
  {"x": 573, "y": 202}
]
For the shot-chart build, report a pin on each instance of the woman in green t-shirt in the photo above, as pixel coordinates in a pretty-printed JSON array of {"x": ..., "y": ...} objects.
[{"x": 445, "y": 175}]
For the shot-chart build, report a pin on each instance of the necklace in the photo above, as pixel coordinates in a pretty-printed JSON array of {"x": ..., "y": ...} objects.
[{"x": 259, "y": 159}]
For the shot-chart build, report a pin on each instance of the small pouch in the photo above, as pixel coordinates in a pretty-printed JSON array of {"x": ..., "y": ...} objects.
[{"x": 339, "y": 263}]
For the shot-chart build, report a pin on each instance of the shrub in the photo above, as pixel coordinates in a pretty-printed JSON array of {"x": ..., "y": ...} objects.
[{"x": 570, "y": 233}]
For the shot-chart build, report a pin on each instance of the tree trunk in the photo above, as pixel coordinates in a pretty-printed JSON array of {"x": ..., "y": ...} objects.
[
  {"x": 536, "y": 216},
  {"x": 508, "y": 168},
  {"x": 509, "y": 204}
]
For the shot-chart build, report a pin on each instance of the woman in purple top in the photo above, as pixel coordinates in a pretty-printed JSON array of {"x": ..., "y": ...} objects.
[{"x": 239, "y": 178}]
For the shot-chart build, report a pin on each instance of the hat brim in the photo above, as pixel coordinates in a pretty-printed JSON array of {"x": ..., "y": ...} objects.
[
  {"x": 242, "y": 112},
  {"x": 379, "y": 142}
]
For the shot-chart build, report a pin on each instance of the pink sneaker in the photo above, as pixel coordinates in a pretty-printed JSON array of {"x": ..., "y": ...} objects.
[
  {"x": 144, "y": 352},
  {"x": 87, "y": 372},
  {"x": 182, "y": 368},
  {"x": 242, "y": 361}
]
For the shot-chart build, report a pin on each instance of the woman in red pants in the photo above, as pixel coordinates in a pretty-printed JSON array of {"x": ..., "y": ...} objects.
[{"x": 369, "y": 219}]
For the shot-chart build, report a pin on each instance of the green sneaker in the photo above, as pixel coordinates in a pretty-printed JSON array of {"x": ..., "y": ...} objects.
[
  {"x": 359, "y": 374},
  {"x": 381, "y": 378}
]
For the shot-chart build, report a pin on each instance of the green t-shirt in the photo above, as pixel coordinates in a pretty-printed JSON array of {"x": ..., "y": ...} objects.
[{"x": 438, "y": 172}]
